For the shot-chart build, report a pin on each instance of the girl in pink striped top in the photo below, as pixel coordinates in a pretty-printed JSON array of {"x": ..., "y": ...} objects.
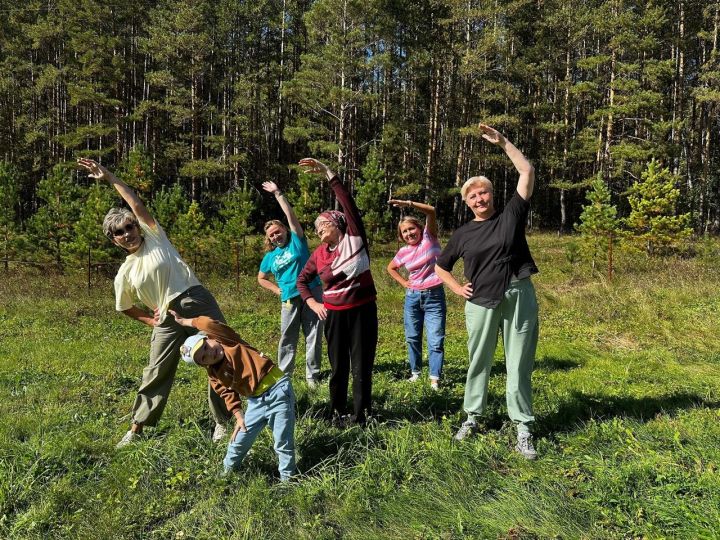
[{"x": 424, "y": 297}]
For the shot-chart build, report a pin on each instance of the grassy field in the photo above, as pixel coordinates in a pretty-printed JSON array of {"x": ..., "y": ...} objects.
[{"x": 627, "y": 387}]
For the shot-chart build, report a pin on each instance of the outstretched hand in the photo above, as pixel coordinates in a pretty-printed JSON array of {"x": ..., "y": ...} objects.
[
  {"x": 313, "y": 166},
  {"x": 270, "y": 187},
  {"x": 182, "y": 321},
  {"x": 399, "y": 203},
  {"x": 491, "y": 135},
  {"x": 94, "y": 169}
]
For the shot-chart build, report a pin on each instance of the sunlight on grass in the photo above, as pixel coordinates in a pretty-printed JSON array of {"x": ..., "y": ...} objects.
[{"x": 627, "y": 387}]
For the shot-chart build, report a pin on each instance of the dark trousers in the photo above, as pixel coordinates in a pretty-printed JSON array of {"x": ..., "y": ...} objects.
[{"x": 352, "y": 336}]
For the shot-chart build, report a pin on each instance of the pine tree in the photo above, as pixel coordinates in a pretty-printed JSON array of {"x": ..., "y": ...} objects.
[
  {"x": 51, "y": 227},
  {"x": 371, "y": 196},
  {"x": 190, "y": 234},
  {"x": 9, "y": 201},
  {"x": 598, "y": 224},
  {"x": 306, "y": 199},
  {"x": 168, "y": 205},
  {"x": 653, "y": 221},
  {"x": 87, "y": 230},
  {"x": 237, "y": 207}
]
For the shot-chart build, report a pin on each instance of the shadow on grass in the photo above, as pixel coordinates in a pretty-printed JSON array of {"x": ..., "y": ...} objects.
[
  {"x": 583, "y": 407},
  {"x": 400, "y": 371}
]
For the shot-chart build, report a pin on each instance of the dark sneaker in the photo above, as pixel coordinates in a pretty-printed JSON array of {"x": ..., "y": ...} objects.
[
  {"x": 468, "y": 429},
  {"x": 342, "y": 421},
  {"x": 524, "y": 446}
]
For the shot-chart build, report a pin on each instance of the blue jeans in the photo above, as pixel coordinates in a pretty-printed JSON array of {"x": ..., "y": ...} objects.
[
  {"x": 428, "y": 308},
  {"x": 275, "y": 408}
]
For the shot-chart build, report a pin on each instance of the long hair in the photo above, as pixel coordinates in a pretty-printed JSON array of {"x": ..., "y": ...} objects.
[{"x": 269, "y": 246}]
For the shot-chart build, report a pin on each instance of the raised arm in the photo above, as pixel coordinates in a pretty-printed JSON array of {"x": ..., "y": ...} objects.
[
  {"x": 526, "y": 182},
  {"x": 97, "y": 171},
  {"x": 353, "y": 218},
  {"x": 293, "y": 222},
  {"x": 429, "y": 211},
  {"x": 313, "y": 166}
]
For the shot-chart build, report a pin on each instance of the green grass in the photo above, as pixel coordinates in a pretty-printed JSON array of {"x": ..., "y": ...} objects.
[{"x": 627, "y": 387}]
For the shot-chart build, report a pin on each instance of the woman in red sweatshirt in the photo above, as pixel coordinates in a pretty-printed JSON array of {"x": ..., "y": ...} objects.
[{"x": 348, "y": 303}]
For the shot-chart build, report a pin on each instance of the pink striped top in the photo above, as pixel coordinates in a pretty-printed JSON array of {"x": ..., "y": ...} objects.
[{"x": 419, "y": 261}]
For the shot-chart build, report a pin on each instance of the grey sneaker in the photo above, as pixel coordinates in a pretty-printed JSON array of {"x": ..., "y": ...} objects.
[
  {"x": 219, "y": 433},
  {"x": 129, "y": 438},
  {"x": 468, "y": 428},
  {"x": 524, "y": 445}
]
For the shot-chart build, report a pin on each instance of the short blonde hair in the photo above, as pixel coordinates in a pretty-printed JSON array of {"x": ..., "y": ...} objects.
[
  {"x": 471, "y": 182},
  {"x": 408, "y": 219}
]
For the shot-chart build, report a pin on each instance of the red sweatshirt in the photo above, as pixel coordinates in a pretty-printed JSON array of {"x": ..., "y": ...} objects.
[{"x": 345, "y": 270}]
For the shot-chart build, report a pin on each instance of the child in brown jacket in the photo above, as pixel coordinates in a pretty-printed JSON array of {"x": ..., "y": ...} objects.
[{"x": 237, "y": 369}]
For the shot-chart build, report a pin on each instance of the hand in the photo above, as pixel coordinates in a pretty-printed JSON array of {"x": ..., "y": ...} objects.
[
  {"x": 181, "y": 320},
  {"x": 466, "y": 291},
  {"x": 312, "y": 165},
  {"x": 270, "y": 187},
  {"x": 239, "y": 425},
  {"x": 156, "y": 316},
  {"x": 94, "y": 169},
  {"x": 400, "y": 204},
  {"x": 318, "y": 308},
  {"x": 491, "y": 134}
]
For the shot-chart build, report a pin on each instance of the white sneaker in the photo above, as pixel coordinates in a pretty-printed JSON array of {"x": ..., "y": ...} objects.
[
  {"x": 219, "y": 433},
  {"x": 312, "y": 383},
  {"x": 129, "y": 438},
  {"x": 468, "y": 429},
  {"x": 414, "y": 377},
  {"x": 434, "y": 384},
  {"x": 524, "y": 445}
]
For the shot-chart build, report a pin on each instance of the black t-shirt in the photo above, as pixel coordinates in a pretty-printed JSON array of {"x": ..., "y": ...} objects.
[{"x": 493, "y": 251}]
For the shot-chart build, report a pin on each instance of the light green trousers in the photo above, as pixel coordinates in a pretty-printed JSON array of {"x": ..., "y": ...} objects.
[
  {"x": 165, "y": 343},
  {"x": 517, "y": 318}
]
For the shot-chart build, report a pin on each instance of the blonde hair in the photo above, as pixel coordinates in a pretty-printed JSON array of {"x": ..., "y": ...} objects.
[
  {"x": 471, "y": 182},
  {"x": 269, "y": 246},
  {"x": 408, "y": 219}
]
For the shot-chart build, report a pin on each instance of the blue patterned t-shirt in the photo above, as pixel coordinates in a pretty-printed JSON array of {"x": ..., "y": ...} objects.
[{"x": 285, "y": 263}]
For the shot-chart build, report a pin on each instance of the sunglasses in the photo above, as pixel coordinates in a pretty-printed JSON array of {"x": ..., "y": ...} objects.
[
  {"x": 322, "y": 226},
  {"x": 126, "y": 229}
]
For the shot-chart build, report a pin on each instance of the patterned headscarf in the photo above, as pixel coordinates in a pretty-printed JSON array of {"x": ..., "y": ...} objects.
[{"x": 334, "y": 217}]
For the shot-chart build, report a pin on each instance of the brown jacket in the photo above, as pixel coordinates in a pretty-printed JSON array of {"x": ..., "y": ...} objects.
[{"x": 242, "y": 368}]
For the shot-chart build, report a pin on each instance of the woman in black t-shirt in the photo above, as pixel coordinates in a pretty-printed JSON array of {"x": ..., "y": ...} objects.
[{"x": 499, "y": 293}]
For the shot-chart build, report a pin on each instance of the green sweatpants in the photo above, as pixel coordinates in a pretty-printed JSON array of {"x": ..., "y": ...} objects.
[
  {"x": 165, "y": 343},
  {"x": 517, "y": 317}
]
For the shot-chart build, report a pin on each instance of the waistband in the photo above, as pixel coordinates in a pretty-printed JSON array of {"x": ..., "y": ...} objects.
[
  {"x": 429, "y": 289},
  {"x": 268, "y": 381}
]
